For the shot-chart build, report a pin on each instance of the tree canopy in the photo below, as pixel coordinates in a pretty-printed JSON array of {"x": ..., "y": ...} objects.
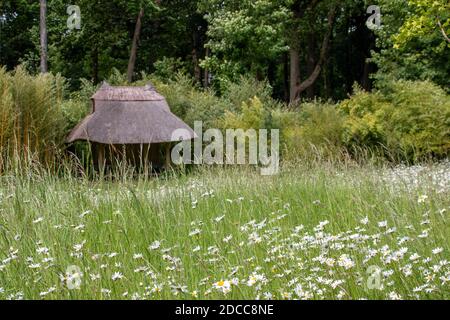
[{"x": 304, "y": 48}]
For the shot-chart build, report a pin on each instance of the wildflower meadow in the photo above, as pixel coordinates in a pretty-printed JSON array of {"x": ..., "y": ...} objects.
[
  {"x": 307, "y": 233},
  {"x": 218, "y": 157}
]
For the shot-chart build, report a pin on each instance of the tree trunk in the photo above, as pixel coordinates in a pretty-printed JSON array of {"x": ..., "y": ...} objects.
[
  {"x": 195, "y": 57},
  {"x": 294, "y": 73},
  {"x": 295, "y": 94},
  {"x": 94, "y": 59},
  {"x": 286, "y": 76},
  {"x": 311, "y": 63},
  {"x": 134, "y": 46},
  {"x": 294, "y": 54},
  {"x": 206, "y": 71},
  {"x": 365, "y": 81},
  {"x": 271, "y": 71},
  {"x": 327, "y": 81},
  {"x": 197, "y": 69},
  {"x": 349, "y": 58},
  {"x": 43, "y": 35},
  {"x": 444, "y": 34}
]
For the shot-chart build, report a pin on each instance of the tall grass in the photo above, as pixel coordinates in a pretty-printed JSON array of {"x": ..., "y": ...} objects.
[
  {"x": 31, "y": 119},
  {"x": 227, "y": 234}
]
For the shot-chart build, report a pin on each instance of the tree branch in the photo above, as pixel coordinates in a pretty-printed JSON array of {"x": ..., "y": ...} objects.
[
  {"x": 313, "y": 4},
  {"x": 442, "y": 30},
  {"x": 323, "y": 55}
]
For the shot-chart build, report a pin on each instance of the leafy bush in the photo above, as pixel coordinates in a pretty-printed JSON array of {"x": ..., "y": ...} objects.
[
  {"x": 73, "y": 112},
  {"x": 117, "y": 78},
  {"x": 313, "y": 130},
  {"x": 252, "y": 116},
  {"x": 247, "y": 88},
  {"x": 79, "y": 105},
  {"x": 403, "y": 120},
  {"x": 168, "y": 68},
  {"x": 190, "y": 102},
  {"x": 409, "y": 120}
]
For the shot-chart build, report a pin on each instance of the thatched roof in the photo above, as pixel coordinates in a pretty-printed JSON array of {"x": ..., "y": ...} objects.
[
  {"x": 129, "y": 115},
  {"x": 109, "y": 93}
]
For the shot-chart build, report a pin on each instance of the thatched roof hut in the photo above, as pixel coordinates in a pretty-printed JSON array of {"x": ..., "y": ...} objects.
[{"x": 129, "y": 121}]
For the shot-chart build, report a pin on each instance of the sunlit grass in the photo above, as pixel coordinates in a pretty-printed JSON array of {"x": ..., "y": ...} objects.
[{"x": 227, "y": 233}]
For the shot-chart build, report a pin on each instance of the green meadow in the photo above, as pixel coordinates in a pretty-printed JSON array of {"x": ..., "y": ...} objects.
[{"x": 311, "y": 232}]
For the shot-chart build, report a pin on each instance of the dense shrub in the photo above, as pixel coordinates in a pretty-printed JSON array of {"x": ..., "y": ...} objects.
[
  {"x": 247, "y": 88},
  {"x": 168, "y": 68},
  {"x": 78, "y": 105},
  {"x": 73, "y": 112},
  {"x": 252, "y": 115},
  {"x": 407, "y": 120},
  {"x": 191, "y": 103},
  {"x": 403, "y": 120},
  {"x": 315, "y": 129}
]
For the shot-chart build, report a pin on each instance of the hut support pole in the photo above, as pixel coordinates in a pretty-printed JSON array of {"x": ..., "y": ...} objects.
[
  {"x": 101, "y": 158},
  {"x": 168, "y": 161},
  {"x": 146, "y": 152}
]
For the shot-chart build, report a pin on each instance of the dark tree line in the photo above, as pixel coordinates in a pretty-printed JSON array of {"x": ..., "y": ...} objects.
[{"x": 304, "y": 48}]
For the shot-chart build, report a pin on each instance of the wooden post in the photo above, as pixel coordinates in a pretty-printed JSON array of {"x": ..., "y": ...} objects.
[
  {"x": 146, "y": 160},
  {"x": 101, "y": 157},
  {"x": 168, "y": 160}
]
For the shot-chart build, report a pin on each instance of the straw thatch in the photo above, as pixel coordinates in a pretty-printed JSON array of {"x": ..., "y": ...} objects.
[{"x": 129, "y": 115}]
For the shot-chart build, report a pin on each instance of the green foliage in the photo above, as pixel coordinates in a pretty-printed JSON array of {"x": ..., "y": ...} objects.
[
  {"x": 410, "y": 121},
  {"x": 86, "y": 91},
  {"x": 16, "y": 41},
  {"x": 403, "y": 120},
  {"x": 228, "y": 39},
  {"x": 244, "y": 35},
  {"x": 117, "y": 78},
  {"x": 425, "y": 17},
  {"x": 192, "y": 103},
  {"x": 313, "y": 130},
  {"x": 168, "y": 68},
  {"x": 189, "y": 102},
  {"x": 251, "y": 116},
  {"x": 255, "y": 37},
  {"x": 105, "y": 37},
  {"x": 78, "y": 105},
  {"x": 73, "y": 112},
  {"x": 408, "y": 51},
  {"x": 245, "y": 88}
]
